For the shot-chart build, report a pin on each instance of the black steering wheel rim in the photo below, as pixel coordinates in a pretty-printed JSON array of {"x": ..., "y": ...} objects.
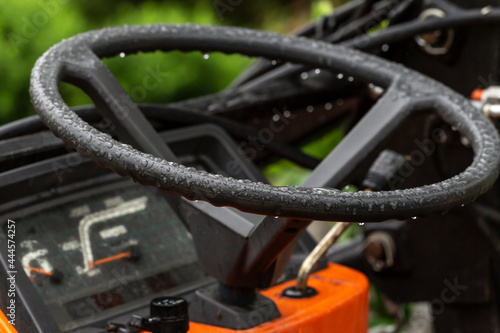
[{"x": 413, "y": 91}]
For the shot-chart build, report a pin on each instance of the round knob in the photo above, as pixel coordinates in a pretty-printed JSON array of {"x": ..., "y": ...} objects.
[{"x": 173, "y": 313}]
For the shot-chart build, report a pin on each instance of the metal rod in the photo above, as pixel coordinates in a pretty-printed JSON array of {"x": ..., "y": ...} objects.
[{"x": 319, "y": 251}]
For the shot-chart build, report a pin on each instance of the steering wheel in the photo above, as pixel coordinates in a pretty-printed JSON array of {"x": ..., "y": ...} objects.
[{"x": 77, "y": 60}]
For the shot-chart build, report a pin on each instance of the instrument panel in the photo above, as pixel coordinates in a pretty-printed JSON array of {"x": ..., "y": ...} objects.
[{"x": 105, "y": 251}]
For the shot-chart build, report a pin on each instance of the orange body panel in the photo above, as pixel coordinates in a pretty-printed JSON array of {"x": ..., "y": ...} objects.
[
  {"x": 340, "y": 306},
  {"x": 5, "y": 327}
]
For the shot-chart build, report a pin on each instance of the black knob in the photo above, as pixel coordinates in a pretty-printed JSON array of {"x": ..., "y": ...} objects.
[
  {"x": 171, "y": 308},
  {"x": 167, "y": 315}
]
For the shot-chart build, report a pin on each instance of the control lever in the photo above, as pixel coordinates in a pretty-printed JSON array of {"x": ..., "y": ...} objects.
[{"x": 379, "y": 176}]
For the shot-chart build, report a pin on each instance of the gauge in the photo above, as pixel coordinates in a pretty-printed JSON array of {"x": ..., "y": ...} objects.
[{"x": 106, "y": 249}]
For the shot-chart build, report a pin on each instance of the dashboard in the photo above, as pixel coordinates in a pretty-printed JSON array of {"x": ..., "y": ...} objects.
[{"x": 105, "y": 251}]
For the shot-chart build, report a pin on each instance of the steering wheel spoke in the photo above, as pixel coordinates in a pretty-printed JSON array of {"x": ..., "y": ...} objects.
[
  {"x": 114, "y": 103},
  {"x": 368, "y": 134}
]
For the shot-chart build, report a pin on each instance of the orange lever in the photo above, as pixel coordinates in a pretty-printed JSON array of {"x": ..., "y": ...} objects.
[
  {"x": 123, "y": 255},
  {"x": 38, "y": 270}
]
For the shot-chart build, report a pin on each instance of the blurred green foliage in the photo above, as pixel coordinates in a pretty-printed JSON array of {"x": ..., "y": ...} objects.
[{"x": 29, "y": 27}]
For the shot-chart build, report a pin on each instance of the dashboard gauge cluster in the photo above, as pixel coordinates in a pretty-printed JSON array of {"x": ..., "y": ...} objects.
[
  {"x": 96, "y": 248},
  {"x": 110, "y": 249}
]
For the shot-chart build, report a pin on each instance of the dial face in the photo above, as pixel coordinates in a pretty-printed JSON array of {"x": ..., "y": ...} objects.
[{"x": 105, "y": 250}]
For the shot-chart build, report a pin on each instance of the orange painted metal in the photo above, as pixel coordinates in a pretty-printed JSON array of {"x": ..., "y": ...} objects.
[
  {"x": 5, "y": 327},
  {"x": 340, "y": 306},
  {"x": 477, "y": 94}
]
